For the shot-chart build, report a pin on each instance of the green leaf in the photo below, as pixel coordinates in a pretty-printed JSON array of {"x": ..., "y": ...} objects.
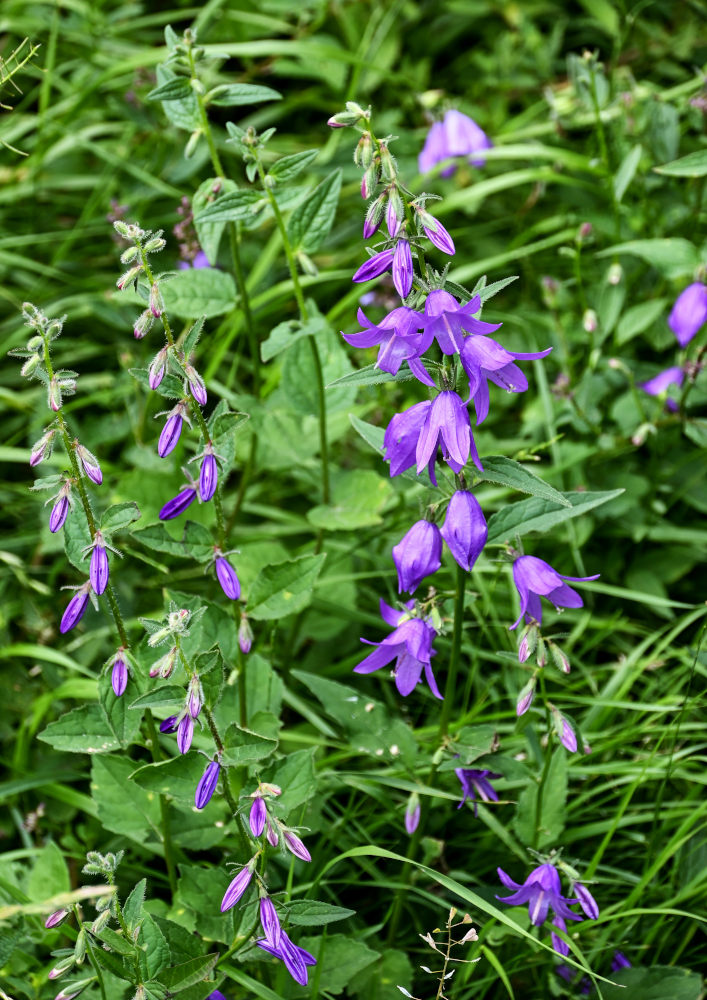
[
  {"x": 310, "y": 222},
  {"x": 296, "y": 777},
  {"x": 196, "y": 542},
  {"x": 506, "y": 472},
  {"x": 186, "y": 974},
  {"x": 379, "y": 980},
  {"x": 124, "y": 723},
  {"x": 192, "y": 338},
  {"x": 371, "y": 375},
  {"x": 554, "y": 799},
  {"x": 82, "y": 730},
  {"x": 153, "y": 943},
  {"x": 626, "y": 172},
  {"x": 175, "y": 89},
  {"x": 288, "y": 167},
  {"x": 132, "y": 908},
  {"x": 299, "y": 381},
  {"x": 112, "y": 791},
  {"x": 358, "y": 496},
  {"x": 313, "y": 912},
  {"x": 242, "y": 745},
  {"x": 209, "y": 234},
  {"x": 200, "y": 890},
  {"x": 542, "y": 515},
  {"x": 203, "y": 291},
  {"x": 470, "y": 743},
  {"x": 231, "y": 95},
  {"x": 284, "y": 588},
  {"x": 659, "y": 982},
  {"x": 49, "y": 875},
  {"x": 120, "y": 516},
  {"x": 170, "y": 387},
  {"x": 117, "y": 942},
  {"x": 176, "y": 778},
  {"x": 76, "y": 538},
  {"x": 224, "y": 426},
  {"x": 674, "y": 257},
  {"x": 233, "y": 206},
  {"x": 692, "y": 165},
  {"x": 284, "y": 335},
  {"x": 340, "y": 957},
  {"x": 165, "y": 695},
  {"x": 184, "y": 111},
  {"x": 638, "y": 318}
]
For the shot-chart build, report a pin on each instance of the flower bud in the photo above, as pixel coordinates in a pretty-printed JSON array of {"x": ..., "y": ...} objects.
[
  {"x": 294, "y": 844},
  {"x": 615, "y": 274},
  {"x": 30, "y": 366},
  {"x": 155, "y": 300},
  {"x": 100, "y": 922},
  {"x": 119, "y": 676},
  {"x": 61, "y": 967},
  {"x": 208, "y": 475},
  {"x": 98, "y": 569},
  {"x": 192, "y": 143},
  {"x": 370, "y": 179},
  {"x": 395, "y": 212},
  {"x": 56, "y": 918},
  {"x": 590, "y": 321},
  {"x": 269, "y": 921},
  {"x": 177, "y": 505},
  {"x": 257, "y": 816},
  {"x": 129, "y": 255},
  {"x": 43, "y": 448},
  {"x": 89, "y": 464},
  {"x": 158, "y": 367},
  {"x": 80, "y": 946},
  {"x": 245, "y": 635},
  {"x": 525, "y": 698},
  {"x": 172, "y": 429},
  {"x": 155, "y": 244},
  {"x": 560, "y": 659},
  {"x": 412, "y": 813},
  {"x": 586, "y": 900},
  {"x": 271, "y": 834},
  {"x": 387, "y": 162},
  {"x": 374, "y": 217},
  {"x": 169, "y": 725},
  {"x": 185, "y": 733},
  {"x": 72, "y": 990},
  {"x": 207, "y": 784},
  {"x": 75, "y": 609},
  {"x": 363, "y": 154},
  {"x": 54, "y": 394},
  {"x": 195, "y": 698},
  {"x": 59, "y": 513},
  {"x": 228, "y": 579},
  {"x": 143, "y": 324},
  {"x": 238, "y": 886},
  {"x": 436, "y": 233},
  {"x": 402, "y": 268},
  {"x": 196, "y": 384},
  {"x": 130, "y": 275}
]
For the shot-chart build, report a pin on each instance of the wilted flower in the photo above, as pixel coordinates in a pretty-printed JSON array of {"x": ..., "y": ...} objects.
[
  {"x": 464, "y": 529},
  {"x": 207, "y": 784},
  {"x": 447, "y": 423},
  {"x": 475, "y": 783},
  {"x": 417, "y": 555},
  {"x": 689, "y": 312},
  {"x": 410, "y": 645},
  {"x": 227, "y": 577},
  {"x": 177, "y": 505},
  {"x": 534, "y": 578},
  {"x": 455, "y": 135},
  {"x": 296, "y": 959},
  {"x": 75, "y": 609}
]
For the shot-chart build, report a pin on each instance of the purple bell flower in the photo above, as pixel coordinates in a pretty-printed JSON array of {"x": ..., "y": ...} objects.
[
  {"x": 417, "y": 555},
  {"x": 237, "y": 887},
  {"x": 177, "y": 505},
  {"x": 586, "y": 900},
  {"x": 228, "y": 579},
  {"x": 257, "y": 816},
  {"x": 392, "y": 219},
  {"x": 464, "y": 529},
  {"x": 216, "y": 995},
  {"x": 296, "y": 959},
  {"x": 119, "y": 676},
  {"x": 402, "y": 268},
  {"x": 484, "y": 359},
  {"x": 447, "y": 422},
  {"x": 200, "y": 261},
  {"x": 75, "y": 609},
  {"x": 689, "y": 312},
  {"x": 476, "y": 783},
  {"x": 270, "y": 921},
  {"x": 169, "y": 725},
  {"x": 59, "y": 513},
  {"x": 436, "y": 233},
  {"x": 534, "y": 578},
  {"x": 541, "y": 891},
  {"x": 401, "y": 437},
  {"x": 208, "y": 476},
  {"x": 185, "y": 733},
  {"x": 98, "y": 568},
  {"x": 446, "y": 320},
  {"x": 409, "y": 644},
  {"x": 661, "y": 382},
  {"x": 559, "y": 946},
  {"x": 207, "y": 784},
  {"x": 294, "y": 844},
  {"x": 375, "y": 266},
  {"x": 568, "y": 738},
  {"x": 455, "y": 135},
  {"x": 397, "y": 336}
]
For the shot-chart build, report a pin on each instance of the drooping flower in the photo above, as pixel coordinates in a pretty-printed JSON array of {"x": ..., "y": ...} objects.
[
  {"x": 475, "y": 783},
  {"x": 401, "y": 437},
  {"x": 56, "y": 918},
  {"x": 660, "y": 383},
  {"x": 402, "y": 268},
  {"x": 435, "y": 232},
  {"x": 177, "y": 505},
  {"x": 172, "y": 429},
  {"x": 237, "y": 887},
  {"x": 417, "y": 555},
  {"x": 375, "y": 266},
  {"x": 447, "y": 423},
  {"x": 296, "y": 959},
  {"x": 464, "y": 529},
  {"x": 534, "y": 578},
  {"x": 296, "y": 846},
  {"x": 409, "y": 644},
  {"x": 196, "y": 384},
  {"x": 689, "y": 312},
  {"x": 207, "y": 784},
  {"x": 98, "y": 567},
  {"x": 541, "y": 891},
  {"x": 270, "y": 921},
  {"x": 456, "y": 135},
  {"x": 227, "y": 577},
  {"x": 119, "y": 676},
  {"x": 75, "y": 609},
  {"x": 399, "y": 340},
  {"x": 446, "y": 320},
  {"x": 486, "y": 360}
]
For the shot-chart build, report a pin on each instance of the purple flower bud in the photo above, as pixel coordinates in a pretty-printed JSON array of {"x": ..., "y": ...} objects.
[
  {"x": 196, "y": 384},
  {"x": 525, "y": 698},
  {"x": 208, "y": 476},
  {"x": 207, "y": 785},
  {"x": 689, "y": 312},
  {"x": 56, "y": 918},
  {"x": 464, "y": 529},
  {"x": 245, "y": 635},
  {"x": 185, "y": 733},
  {"x": 586, "y": 900},
  {"x": 170, "y": 433},
  {"x": 271, "y": 834},
  {"x": 169, "y": 725},
  {"x": 437, "y": 234},
  {"x": 158, "y": 367},
  {"x": 119, "y": 676},
  {"x": 177, "y": 505},
  {"x": 294, "y": 844},
  {"x": 237, "y": 887},
  {"x": 417, "y": 555},
  {"x": 195, "y": 699},
  {"x": 155, "y": 300},
  {"x": 42, "y": 449},
  {"x": 70, "y": 992},
  {"x": 98, "y": 569},
  {"x": 270, "y": 921},
  {"x": 374, "y": 266},
  {"x": 54, "y": 395},
  {"x": 75, "y": 609},
  {"x": 402, "y": 268},
  {"x": 59, "y": 513},
  {"x": 142, "y": 324},
  {"x": 523, "y": 649},
  {"x": 90, "y": 464},
  {"x": 412, "y": 814},
  {"x": 392, "y": 218},
  {"x": 559, "y": 946},
  {"x": 228, "y": 579},
  {"x": 258, "y": 816},
  {"x": 61, "y": 967},
  {"x": 567, "y": 736}
]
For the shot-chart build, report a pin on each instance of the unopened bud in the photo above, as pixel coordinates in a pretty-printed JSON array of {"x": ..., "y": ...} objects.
[
  {"x": 525, "y": 698},
  {"x": 245, "y": 635},
  {"x": 30, "y": 366},
  {"x": 374, "y": 216},
  {"x": 155, "y": 300},
  {"x": 56, "y": 918},
  {"x": 363, "y": 154},
  {"x": 143, "y": 323},
  {"x": 370, "y": 179},
  {"x": 80, "y": 947},
  {"x": 387, "y": 163},
  {"x": 615, "y": 274},
  {"x": 541, "y": 652},
  {"x": 128, "y": 277},
  {"x": 43, "y": 448},
  {"x": 54, "y": 394},
  {"x": 395, "y": 212},
  {"x": 590, "y": 321},
  {"x": 192, "y": 143},
  {"x": 100, "y": 922},
  {"x": 61, "y": 967},
  {"x": 195, "y": 698},
  {"x": 129, "y": 255},
  {"x": 585, "y": 230},
  {"x": 157, "y": 369},
  {"x": 155, "y": 244},
  {"x": 560, "y": 659}
]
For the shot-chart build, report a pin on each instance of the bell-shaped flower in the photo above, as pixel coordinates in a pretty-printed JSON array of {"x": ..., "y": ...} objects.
[
  {"x": 295, "y": 844},
  {"x": 238, "y": 886},
  {"x": 689, "y": 312},
  {"x": 541, "y": 891},
  {"x": 456, "y": 135},
  {"x": 475, "y": 783},
  {"x": 227, "y": 577},
  {"x": 447, "y": 423},
  {"x": 661, "y": 383},
  {"x": 119, "y": 676},
  {"x": 409, "y": 644},
  {"x": 177, "y": 505},
  {"x": 207, "y": 784},
  {"x": 269, "y": 921},
  {"x": 417, "y": 555},
  {"x": 446, "y": 319},
  {"x": 464, "y": 529},
  {"x": 486, "y": 360},
  {"x": 296, "y": 959},
  {"x": 396, "y": 336},
  {"x": 534, "y": 578},
  {"x": 75, "y": 609},
  {"x": 401, "y": 437}
]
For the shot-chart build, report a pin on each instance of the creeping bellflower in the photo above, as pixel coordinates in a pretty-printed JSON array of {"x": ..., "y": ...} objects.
[
  {"x": 208, "y": 476},
  {"x": 476, "y": 783},
  {"x": 270, "y": 921},
  {"x": 177, "y": 505},
  {"x": 402, "y": 268},
  {"x": 185, "y": 733},
  {"x": 296, "y": 959},
  {"x": 59, "y": 513},
  {"x": 119, "y": 676},
  {"x": 486, "y": 360},
  {"x": 397, "y": 336},
  {"x": 207, "y": 784},
  {"x": 412, "y": 814},
  {"x": 75, "y": 609},
  {"x": 446, "y": 320},
  {"x": 401, "y": 437},
  {"x": 89, "y": 464},
  {"x": 447, "y": 423},
  {"x": 409, "y": 644},
  {"x": 257, "y": 817},
  {"x": 541, "y": 891},
  {"x": 534, "y": 578},
  {"x": 294, "y": 844},
  {"x": 464, "y": 529},
  {"x": 455, "y": 135},
  {"x": 586, "y": 900},
  {"x": 417, "y": 555},
  {"x": 689, "y": 312}
]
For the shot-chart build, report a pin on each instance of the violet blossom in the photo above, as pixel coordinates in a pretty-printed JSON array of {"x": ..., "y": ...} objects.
[
  {"x": 541, "y": 891},
  {"x": 486, "y": 360},
  {"x": 436, "y": 233},
  {"x": 402, "y": 268},
  {"x": 258, "y": 816},
  {"x": 185, "y": 733},
  {"x": 417, "y": 555},
  {"x": 296, "y": 959},
  {"x": 270, "y": 921},
  {"x": 98, "y": 567},
  {"x": 89, "y": 464},
  {"x": 375, "y": 266},
  {"x": 208, "y": 476},
  {"x": 294, "y": 844},
  {"x": 177, "y": 505},
  {"x": 447, "y": 423},
  {"x": 475, "y": 783},
  {"x": 401, "y": 437},
  {"x": 59, "y": 513},
  {"x": 456, "y": 135},
  {"x": 660, "y": 383},
  {"x": 409, "y": 644},
  {"x": 534, "y": 578},
  {"x": 172, "y": 429},
  {"x": 227, "y": 577},
  {"x": 75, "y": 609},
  {"x": 689, "y": 312},
  {"x": 398, "y": 339},
  {"x": 169, "y": 725},
  {"x": 207, "y": 784},
  {"x": 446, "y": 320},
  {"x": 464, "y": 529},
  {"x": 237, "y": 887},
  {"x": 119, "y": 676}
]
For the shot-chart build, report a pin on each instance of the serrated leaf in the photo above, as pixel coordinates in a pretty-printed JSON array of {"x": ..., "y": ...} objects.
[
  {"x": 310, "y": 222},
  {"x": 165, "y": 695},
  {"x": 171, "y": 387},
  {"x": 506, "y": 472},
  {"x": 180, "y": 977},
  {"x": 234, "y": 206},
  {"x": 289, "y": 167},
  {"x": 232, "y": 95},
  {"x": 313, "y": 912},
  {"x": 154, "y": 946},
  {"x": 196, "y": 542},
  {"x": 120, "y": 516},
  {"x": 282, "y": 336},
  {"x": 132, "y": 908},
  {"x": 184, "y": 111},
  {"x": 692, "y": 165},
  {"x": 195, "y": 331},
  {"x": 541, "y": 515},
  {"x": 203, "y": 291},
  {"x": 209, "y": 233},
  {"x": 176, "y": 89},
  {"x": 112, "y": 789},
  {"x": 82, "y": 730},
  {"x": 284, "y": 588},
  {"x": 242, "y": 746}
]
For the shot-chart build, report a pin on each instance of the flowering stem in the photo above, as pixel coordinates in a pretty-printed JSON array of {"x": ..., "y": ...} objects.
[
  {"x": 456, "y": 651},
  {"x": 546, "y": 768},
  {"x": 95, "y": 966},
  {"x": 304, "y": 316}
]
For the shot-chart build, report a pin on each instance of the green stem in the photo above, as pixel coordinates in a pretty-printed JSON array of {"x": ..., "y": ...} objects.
[
  {"x": 96, "y": 967},
  {"x": 456, "y": 652}
]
